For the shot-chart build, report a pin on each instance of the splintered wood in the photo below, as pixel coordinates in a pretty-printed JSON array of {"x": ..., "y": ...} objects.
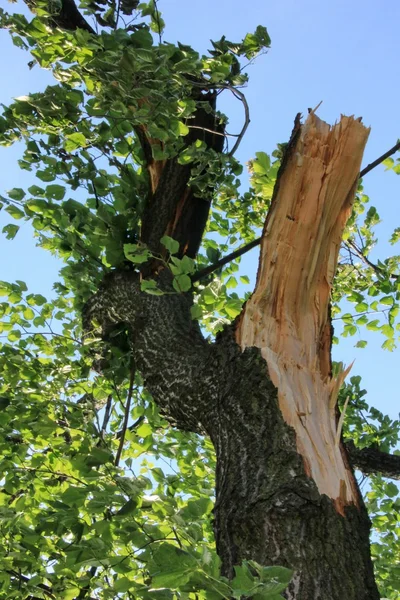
[{"x": 287, "y": 315}]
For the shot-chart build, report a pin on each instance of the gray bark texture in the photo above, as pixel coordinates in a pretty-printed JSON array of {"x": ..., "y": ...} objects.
[{"x": 267, "y": 509}]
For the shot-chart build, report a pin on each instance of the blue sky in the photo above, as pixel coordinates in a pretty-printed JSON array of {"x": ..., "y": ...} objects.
[{"x": 342, "y": 53}]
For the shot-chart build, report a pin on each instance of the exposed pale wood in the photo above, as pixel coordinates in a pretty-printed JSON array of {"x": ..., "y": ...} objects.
[{"x": 287, "y": 315}]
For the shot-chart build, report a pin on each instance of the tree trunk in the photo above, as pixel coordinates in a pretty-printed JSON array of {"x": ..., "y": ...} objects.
[{"x": 263, "y": 391}]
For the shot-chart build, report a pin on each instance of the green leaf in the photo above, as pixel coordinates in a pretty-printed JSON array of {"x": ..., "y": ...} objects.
[
  {"x": 28, "y": 314},
  {"x": 136, "y": 254},
  {"x": 183, "y": 129},
  {"x": 170, "y": 244},
  {"x": 15, "y": 212},
  {"x": 387, "y": 300},
  {"x": 10, "y": 231},
  {"x": 233, "y": 308},
  {"x": 150, "y": 287},
  {"x": 144, "y": 430},
  {"x": 46, "y": 175},
  {"x": 171, "y": 567},
  {"x": 14, "y": 335},
  {"x": 16, "y": 194},
  {"x": 74, "y": 141},
  {"x": 196, "y": 312},
  {"x": 361, "y": 344},
  {"x": 391, "y": 490},
  {"x": 55, "y": 192},
  {"x": 182, "y": 283},
  {"x": 98, "y": 456},
  {"x": 128, "y": 508}
]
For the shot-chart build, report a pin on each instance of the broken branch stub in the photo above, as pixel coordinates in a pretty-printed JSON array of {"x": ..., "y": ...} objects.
[{"x": 287, "y": 316}]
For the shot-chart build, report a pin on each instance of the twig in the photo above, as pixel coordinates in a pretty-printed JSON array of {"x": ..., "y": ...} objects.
[
  {"x": 378, "y": 270},
  {"x": 107, "y": 414},
  {"x": 212, "y": 131},
  {"x": 117, "y": 15},
  {"x": 22, "y": 578},
  {"x": 158, "y": 21},
  {"x": 126, "y": 416},
  {"x": 240, "y": 96},
  {"x": 380, "y": 160}
]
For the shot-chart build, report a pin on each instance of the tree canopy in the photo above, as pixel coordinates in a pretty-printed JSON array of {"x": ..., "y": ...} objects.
[{"x": 100, "y": 497}]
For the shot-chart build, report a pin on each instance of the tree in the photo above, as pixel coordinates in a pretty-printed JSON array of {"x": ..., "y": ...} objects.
[{"x": 131, "y": 129}]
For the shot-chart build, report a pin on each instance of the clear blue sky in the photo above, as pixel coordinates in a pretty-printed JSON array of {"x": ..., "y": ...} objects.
[{"x": 344, "y": 53}]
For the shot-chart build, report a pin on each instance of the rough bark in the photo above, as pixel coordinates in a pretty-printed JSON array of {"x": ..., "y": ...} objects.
[
  {"x": 267, "y": 507},
  {"x": 372, "y": 460}
]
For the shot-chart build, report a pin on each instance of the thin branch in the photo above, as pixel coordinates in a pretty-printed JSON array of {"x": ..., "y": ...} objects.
[
  {"x": 130, "y": 428},
  {"x": 224, "y": 260},
  {"x": 220, "y": 263},
  {"x": 372, "y": 461},
  {"x": 85, "y": 590},
  {"x": 22, "y": 578},
  {"x": 117, "y": 15},
  {"x": 380, "y": 160},
  {"x": 47, "y": 590},
  {"x": 126, "y": 416},
  {"x": 212, "y": 131},
  {"x": 240, "y": 96},
  {"x": 378, "y": 270},
  {"x": 107, "y": 414},
  {"x": 158, "y": 22}
]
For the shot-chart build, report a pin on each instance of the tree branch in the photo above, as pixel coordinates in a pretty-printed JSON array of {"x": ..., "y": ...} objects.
[
  {"x": 352, "y": 246},
  {"x": 240, "y": 96},
  {"x": 380, "y": 160},
  {"x": 126, "y": 416},
  {"x": 223, "y": 261},
  {"x": 130, "y": 428},
  {"x": 371, "y": 460}
]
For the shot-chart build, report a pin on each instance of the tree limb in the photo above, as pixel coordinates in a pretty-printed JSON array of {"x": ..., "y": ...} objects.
[
  {"x": 372, "y": 461},
  {"x": 223, "y": 261},
  {"x": 380, "y": 160}
]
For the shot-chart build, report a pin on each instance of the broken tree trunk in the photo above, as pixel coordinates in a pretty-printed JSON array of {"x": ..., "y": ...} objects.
[
  {"x": 288, "y": 316},
  {"x": 264, "y": 392}
]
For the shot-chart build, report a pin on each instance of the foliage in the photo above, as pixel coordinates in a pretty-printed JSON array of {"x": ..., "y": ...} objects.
[{"x": 74, "y": 522}]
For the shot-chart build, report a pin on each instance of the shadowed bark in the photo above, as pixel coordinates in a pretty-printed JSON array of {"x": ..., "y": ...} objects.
[
  {"x": 67, "y": 17},
  {"x": 372, "y": 460}
]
